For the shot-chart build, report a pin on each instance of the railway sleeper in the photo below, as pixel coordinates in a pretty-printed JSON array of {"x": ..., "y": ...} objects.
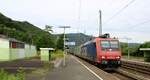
[
  {"x": 138, "y": 67},
  {"x": 131, "y": 75},
  {"x": 138, "y": 70}
]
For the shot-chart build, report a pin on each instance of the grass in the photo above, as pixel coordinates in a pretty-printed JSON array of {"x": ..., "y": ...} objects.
[
  {"x": 6, "y": 76},
  {"x": 57, "y": 54},
  {"x": 41, "y": 72}
]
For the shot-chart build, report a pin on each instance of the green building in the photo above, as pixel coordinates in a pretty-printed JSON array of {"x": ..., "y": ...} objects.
[{"x": 45, "y": 53}]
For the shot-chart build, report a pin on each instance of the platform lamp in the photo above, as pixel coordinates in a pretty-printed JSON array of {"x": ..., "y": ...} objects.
[
  {"x": 127, "y": 39},
  {"x": 64, "y": 27}
]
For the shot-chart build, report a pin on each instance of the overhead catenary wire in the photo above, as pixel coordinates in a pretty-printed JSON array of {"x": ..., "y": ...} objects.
[
  {"x": 79, "y": 16},
  {"x": 117, "y": 13},
  {"x": 138, "y": 24}
]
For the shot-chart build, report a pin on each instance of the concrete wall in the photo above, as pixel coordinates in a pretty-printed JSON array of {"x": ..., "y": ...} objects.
[
  {"x": 27, "y": 50},
  {"x": 33, "y": 51},
  {"x": 4, "y": 49},
  {"x": 30, "y": 50},
  {"x": 7, "y": 53},
  {"x": 17, "y": 53},
  {"x": 44, "y": 55}
]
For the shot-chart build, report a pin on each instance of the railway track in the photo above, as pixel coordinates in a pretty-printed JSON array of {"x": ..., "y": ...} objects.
[
  {"x": 130, "y": 71},
  {"x": 110, "y": 73},
  {"x": 139, "y": 67},
  {"x": 121, "y": 75},
  {"x": 134, "y": 70}
]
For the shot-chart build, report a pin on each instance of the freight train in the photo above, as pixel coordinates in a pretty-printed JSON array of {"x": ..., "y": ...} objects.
[{"x": 103, "y": 51}]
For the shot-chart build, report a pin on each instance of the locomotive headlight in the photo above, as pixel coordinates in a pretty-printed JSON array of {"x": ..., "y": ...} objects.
[
  {"x": 118, "y": 57},
  {"x": 103, "y": 57}
]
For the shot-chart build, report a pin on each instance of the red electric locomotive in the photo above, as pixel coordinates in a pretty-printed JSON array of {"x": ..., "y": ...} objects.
[{"x": 103, "y": 51}]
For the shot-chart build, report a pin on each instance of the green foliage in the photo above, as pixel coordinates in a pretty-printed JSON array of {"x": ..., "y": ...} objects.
[
  {"x": 145, "y": 45},
  {"x": 57, "y": 54},
  {"x": 124, "y": 48},
  {"x": 20, "y": 75},
  {"x": 48, "y": 28},
  {"x": 60, "y": 42},
  {"x": 134, "y": 50},
  {"x": 26, "y": 32},
  {"x": 5, "y": 76}
]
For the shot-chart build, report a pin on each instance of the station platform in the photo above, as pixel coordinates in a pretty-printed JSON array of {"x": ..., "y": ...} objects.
[
  {"x": 73, "y": 70},
  {"x": 77, "y": 69}
]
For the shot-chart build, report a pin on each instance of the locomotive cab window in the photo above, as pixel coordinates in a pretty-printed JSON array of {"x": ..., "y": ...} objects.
[
  {"x": 114, "y": 44},
  {"x": 105, "y": 44},
  {"x": 109, "y": 44}
]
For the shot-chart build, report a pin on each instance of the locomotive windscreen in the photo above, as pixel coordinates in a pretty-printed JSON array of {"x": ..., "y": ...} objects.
[
  {"x": 114, "y": 44},
  {"x": 105, "y": 44}
]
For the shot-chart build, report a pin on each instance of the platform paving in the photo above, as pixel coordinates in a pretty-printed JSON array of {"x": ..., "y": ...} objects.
[{"x": 72, "y": 71}]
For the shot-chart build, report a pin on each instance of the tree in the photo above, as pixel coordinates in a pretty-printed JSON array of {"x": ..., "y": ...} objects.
[
  {"x": 48, "y": 28},
  {"x": 124, "y": 48},
  {"x": 60, "y": 42},
  {"x": 26, "y": 32},
  {"x": 145, "y": 45}
]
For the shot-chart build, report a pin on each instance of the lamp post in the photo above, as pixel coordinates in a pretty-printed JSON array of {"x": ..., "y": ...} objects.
[
  {"x": 127, "y": 38},
  {"x": 128, "y": 47},
  {"x": 64, "y": 27}
]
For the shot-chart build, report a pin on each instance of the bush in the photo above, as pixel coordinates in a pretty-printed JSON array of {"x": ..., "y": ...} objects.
[
  {"x": 6, "y": 76},
  {"x": 57, "y": 54}
]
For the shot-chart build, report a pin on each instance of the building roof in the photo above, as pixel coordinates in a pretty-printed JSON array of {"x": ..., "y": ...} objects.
[
  {"x": 144, "y": 49},
  {"x": 10, "y": 39},
  {"x": 51, "y": 49}
]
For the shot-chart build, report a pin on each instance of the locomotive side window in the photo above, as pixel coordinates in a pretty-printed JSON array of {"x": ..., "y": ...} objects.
[
  {"x": 114, "y": 44},
  {"x": 105, "y": 44}
]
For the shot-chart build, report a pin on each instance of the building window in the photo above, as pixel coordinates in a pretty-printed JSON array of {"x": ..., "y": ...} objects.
[
  {"x": 14, "y": 45},
  {"x": 17, "y": 45}
]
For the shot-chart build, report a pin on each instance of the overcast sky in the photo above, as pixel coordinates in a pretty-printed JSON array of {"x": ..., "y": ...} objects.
[{"x": 121, "y": 18}]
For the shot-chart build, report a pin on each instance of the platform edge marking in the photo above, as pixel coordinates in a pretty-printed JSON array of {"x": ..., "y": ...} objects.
[{"x": 88, "y": 68}]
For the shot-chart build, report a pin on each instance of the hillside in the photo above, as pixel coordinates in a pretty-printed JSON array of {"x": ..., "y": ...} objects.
[
  {"x": 26, "y": 32},
  {"x": 78, "y": 38}
]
